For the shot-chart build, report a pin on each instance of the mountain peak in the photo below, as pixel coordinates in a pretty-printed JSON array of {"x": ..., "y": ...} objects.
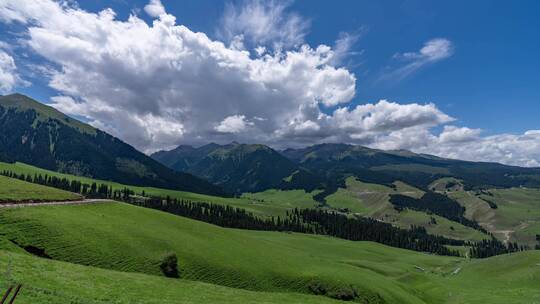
[{"x": 23, "y": 103}]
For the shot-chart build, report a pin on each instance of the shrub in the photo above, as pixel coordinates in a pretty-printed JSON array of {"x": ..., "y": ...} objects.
[
  {"x": 344, "y": 293},
  {"x": 169, "y": 265}
]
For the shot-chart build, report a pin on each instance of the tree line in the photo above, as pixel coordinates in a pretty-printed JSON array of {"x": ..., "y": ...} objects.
[
  {"x": 436, "y": 203},
  {"x": 492, "y": 247},
  {"x": 311, "y": 221}
]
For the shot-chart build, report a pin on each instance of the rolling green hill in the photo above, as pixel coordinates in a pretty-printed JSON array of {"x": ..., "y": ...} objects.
[
  {"x": 40, "y": 135},
  {"x": 132, "y": 239},
  {"x": 276, "y": 202},
  {"x": 47, "y": 281}
]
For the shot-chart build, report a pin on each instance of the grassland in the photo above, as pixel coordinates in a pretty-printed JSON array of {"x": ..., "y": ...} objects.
[
  {"x": 46, "y": 281},
  {"x": 255, "y": 206},
  {"x": 372, "y": 200},
  {"x": 121, "y": 237},
  {"x": 516, "y": 218},
  {"x": 283, "y": 199},
  {"x": 127, "y": 238},
  {"x": 14, "y": 190}
]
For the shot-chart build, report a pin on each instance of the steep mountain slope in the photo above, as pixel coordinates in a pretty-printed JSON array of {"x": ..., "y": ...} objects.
[
  {"x": 239, "y": 167},
  {"x": 42, "y": 136},
  {"x": 336, "y": 161}
]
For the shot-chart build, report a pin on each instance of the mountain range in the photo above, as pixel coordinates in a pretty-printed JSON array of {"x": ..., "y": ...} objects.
[
  {"x": 250, "y": 168},
  {"x": 40, "y": 135}
]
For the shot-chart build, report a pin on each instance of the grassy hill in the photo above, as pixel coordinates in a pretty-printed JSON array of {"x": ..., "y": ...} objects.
[
  {"x": 281, "y": 201},
  {"x": 372, "y": 200},
  {"x": 126, "y": 238},
  {"x": 514, "y": 214},
  {"x": 47, "y": 281},
  {"x": 13, "y": 190},
  {"x": 37, "y": 134},
  {"x": 122, "y": 237}
]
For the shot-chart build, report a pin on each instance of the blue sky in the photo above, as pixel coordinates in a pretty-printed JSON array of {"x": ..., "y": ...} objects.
[{"x": 477, "y": 90}]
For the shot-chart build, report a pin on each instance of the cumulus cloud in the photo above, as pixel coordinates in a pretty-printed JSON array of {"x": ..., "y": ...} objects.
[
  {"x": 161, "y": 84},
  {"x": 263, "y": 23},
  {"x": 233, "y": 124},
  {"x": 154, "y": 8},
  {"x": 8, "y": 73},
  {"x": 171, "y": 76},
  {"x": 433, "y": 51},
  {"x": 453, "y": 134}
]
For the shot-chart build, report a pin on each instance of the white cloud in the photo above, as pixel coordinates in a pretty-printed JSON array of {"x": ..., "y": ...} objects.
[
  {"x": 343, "y": 48},
  {"x": 154, "y": 8},
  {"x": 467, "y": 144},
  {"x": 453, "y": 134},
  {"x": 263, "y": 23},
  {"x": 522, "y": 149},
  {"x": 117, "y": 73},
  {"x": 8, "y": 73},
  {"x": 386, "y": 116},
  {"x": 233, "y": 124},
  {"x": 433, "y": 51}
]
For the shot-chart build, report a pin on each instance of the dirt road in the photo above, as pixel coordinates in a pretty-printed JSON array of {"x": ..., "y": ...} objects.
[{"x": 79, "y": 202}]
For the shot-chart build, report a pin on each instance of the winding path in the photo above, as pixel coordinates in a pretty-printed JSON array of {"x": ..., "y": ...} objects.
[{"x": 79, "y": 202}]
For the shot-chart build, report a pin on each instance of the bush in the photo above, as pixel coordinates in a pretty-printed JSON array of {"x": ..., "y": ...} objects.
[
  {"x": 169, "y": 266},
  {"x": 344, "y": 293},
  {"x": 317, "y": 288}
]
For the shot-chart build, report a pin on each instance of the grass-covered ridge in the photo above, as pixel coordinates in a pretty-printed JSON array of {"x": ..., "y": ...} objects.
[
  {"x": 14, "y": 190},
  {"x": 516, "y": 218},
  {"x": 264, "y": 204},
  {"x": 248, "y": 204}
]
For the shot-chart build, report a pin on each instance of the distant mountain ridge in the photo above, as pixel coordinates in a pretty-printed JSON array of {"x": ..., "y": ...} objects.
[
  {"x": 384, "y": 167},
  {"x": 326, "y": 166},
  {"x": 239, "y": 167},
  {"x": 40, "y": 135}
]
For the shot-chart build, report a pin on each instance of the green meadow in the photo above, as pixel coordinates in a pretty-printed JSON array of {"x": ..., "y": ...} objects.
[
  {"x": 14, "y": 190},
  {"x": 254, "y": 206},
  {"x": 121, "y": 237},
  {"x": 47, "y": 281}
]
